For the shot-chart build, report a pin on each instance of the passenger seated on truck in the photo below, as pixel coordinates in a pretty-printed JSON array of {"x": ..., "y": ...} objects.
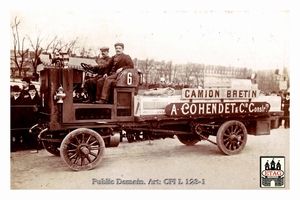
[
  {"x": 91, "y": 84},
  {"x": 118, "y": 63}
]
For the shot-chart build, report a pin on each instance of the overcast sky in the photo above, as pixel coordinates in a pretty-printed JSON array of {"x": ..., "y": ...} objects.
[
  {"x": 255, "y": 39},
  {"x": 252, "y": 39}
]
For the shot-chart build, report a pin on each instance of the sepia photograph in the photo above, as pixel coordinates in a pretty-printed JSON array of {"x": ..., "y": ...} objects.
[{"x": 150, "y": 99}]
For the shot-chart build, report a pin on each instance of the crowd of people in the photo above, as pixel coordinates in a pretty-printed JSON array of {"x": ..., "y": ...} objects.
[{"x": 24, "y": 105}]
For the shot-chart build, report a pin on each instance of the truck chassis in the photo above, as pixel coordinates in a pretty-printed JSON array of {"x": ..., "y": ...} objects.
[{"x": 79, "y": 132}]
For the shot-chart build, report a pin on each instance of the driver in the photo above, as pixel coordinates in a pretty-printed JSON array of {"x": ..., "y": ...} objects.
[
  {"x": 119, "y": 62},
  {"x": 91, "y": 83}
]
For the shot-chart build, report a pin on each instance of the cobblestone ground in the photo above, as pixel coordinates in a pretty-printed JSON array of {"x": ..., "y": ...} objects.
[{"x": 158, "y": 164}]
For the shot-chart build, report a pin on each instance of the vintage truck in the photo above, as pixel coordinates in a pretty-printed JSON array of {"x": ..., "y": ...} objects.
[{"x": 80, "y": 132}]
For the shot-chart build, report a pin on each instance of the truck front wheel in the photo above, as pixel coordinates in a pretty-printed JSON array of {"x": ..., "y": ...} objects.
[
  {"x": 82, "y": 149},
  {"x": 232, "y": 137}
]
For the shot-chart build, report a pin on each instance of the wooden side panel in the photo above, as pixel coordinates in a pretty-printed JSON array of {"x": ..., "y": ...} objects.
[
  {"x": 67, "y": 83},
  {"x": 123, "y": 99},
  {"x": 49, "y": 110}
]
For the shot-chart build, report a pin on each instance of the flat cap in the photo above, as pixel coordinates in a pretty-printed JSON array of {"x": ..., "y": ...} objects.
[
  {"x": 104, "y": 48},
  {"x": 119, "y": 44}
]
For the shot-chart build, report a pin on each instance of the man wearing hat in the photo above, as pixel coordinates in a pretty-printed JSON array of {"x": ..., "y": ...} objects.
[
  {"x": 16, "y": 98},
  {"x": 25, "y": 84},
  {"x": 32, "y": 103},
  {"x": 118, "y": 63},
  {"x": 90, "y": 84},
  {"x": 31, "y": 115},
  {"x": 16, "y": 114}
]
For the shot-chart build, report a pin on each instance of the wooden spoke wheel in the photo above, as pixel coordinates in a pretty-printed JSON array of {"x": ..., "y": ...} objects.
[
  {"x": 232, "y": 137},
  {"x": 82, "y": 149},
  {"x": 188, "y": 139}
]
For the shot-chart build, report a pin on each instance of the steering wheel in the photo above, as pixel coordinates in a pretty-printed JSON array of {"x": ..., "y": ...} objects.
[{"x": 87, "y": 68}]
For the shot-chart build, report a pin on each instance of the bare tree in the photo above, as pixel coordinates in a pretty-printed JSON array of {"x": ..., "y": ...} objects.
[
  {"x": 82, "y": 52},
  {"x": 286, "y": 76},
  {"x": 37, "y": 49},
  {"x": 88, "y": 53},
  {"x": 168, "y": 71},
  {"x": 267, "y": 81},
  {"x": 187, "y": 73},
  {"x": 145, "y": 66},
  {"x": 71, "y": 46},
  {"x": 175, "y": 73},
  {"x": 198, "y": 72},
  {"x": 56, "y": 44},
  {"x": 19, "y": 53},
  {"x": 160, "y": 69},
  {"x": 59, "y": 46},
  {"x": 48, "y": 46}
]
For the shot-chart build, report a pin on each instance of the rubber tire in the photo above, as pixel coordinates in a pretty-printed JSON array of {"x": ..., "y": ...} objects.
[
  {"x": 67, "y": 148},
  {"x": 51, "y": 147},
  {"x": 231, "y": 127},
  {"x": 188, "y": 139}
]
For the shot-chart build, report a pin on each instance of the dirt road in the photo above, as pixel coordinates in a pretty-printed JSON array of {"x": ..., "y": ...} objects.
[{"x": 156, "y": 164}]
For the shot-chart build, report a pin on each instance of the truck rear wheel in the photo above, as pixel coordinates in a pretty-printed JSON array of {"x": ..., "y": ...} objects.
[
  {"x": 188, "y": 139},
  {"x": 232, "y": 137},
  {"x": 82, "y": 149}
]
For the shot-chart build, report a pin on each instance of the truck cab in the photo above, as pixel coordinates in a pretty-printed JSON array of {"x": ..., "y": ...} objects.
[{"x": 59, "y": 107}]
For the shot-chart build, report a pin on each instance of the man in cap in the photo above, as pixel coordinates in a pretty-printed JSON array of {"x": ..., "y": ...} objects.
[
  {"x": 90, "y": 84},
  {"x": 118, "y": 63}
]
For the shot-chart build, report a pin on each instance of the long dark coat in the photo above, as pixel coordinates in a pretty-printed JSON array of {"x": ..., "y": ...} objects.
[
  {"x": 16, "y": 112},
  {"x": 31, "y": 107},
  {"x": 124, "y": 61}
]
